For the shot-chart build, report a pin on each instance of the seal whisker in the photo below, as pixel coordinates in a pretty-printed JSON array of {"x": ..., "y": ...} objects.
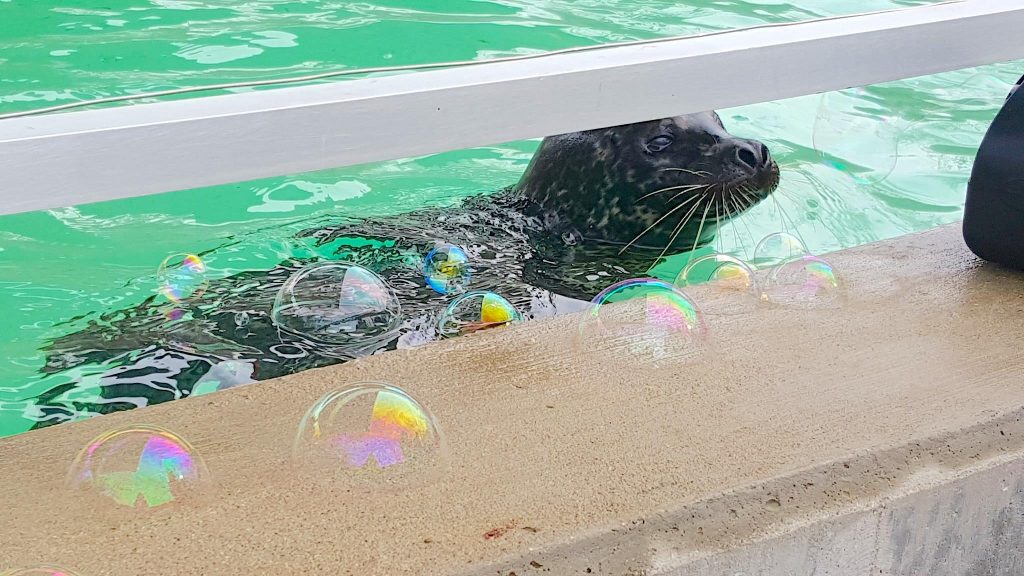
[
  {"x": 700, "y": 229},
  {"x": 706, "y": 187},
  {"x": 796, "y": 231},
  {"x": 693, "y": 210},
  {"x": 682, "y": 224},
  {"x": 656, "y": 222},
  {"x": 793, "y": 169},
  {"x": 789, "y": 197},
  {"x": 698, "y": 173},
  {"x": 675, "y": 234},
  {"x": 775, "y": 201},
  {"x": 728, "y": 212},
  {"x": 685, "y": 188},
  {"x": 748, "y": 196},
  {"x": 814, "y": 222},
  {"x": 718, "y": 214},
  {"x": 728, "y": 215},
  {"x": 750, "y": 233}
]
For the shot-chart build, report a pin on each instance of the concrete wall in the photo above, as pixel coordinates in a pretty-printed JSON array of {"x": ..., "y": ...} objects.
[{"x": 972, "y": 525}]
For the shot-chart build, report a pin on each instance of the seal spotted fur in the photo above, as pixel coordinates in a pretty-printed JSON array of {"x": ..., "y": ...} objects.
[{"x": 592, "y": 208}]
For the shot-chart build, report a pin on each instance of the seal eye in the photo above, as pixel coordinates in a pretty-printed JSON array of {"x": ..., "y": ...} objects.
[{"x": 659, "y": 144}]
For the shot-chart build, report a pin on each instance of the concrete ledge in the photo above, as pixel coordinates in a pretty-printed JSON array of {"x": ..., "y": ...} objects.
[
  {"x": 840, "y": 440},
  {"x": 952, "y": 504},
  {"x": 967, "y": 523}
]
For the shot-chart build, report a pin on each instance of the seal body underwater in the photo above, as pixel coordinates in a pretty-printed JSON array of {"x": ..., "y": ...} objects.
[{"x": 592, "y": 208}]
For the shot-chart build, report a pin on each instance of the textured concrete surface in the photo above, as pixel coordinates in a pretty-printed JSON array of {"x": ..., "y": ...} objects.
[
  {"x": 816, "y": 429},
  {"x": 960, "y": 512},
  {"x": 970, "y": 524}
]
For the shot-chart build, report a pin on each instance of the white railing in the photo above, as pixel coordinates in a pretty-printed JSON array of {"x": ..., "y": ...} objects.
[{"x": 58, "y": 160}]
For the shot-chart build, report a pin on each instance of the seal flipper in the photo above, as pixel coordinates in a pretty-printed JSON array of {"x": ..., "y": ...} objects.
[{"x": 993, "y": 224}]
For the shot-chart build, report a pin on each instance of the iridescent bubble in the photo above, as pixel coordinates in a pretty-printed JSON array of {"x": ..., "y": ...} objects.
[
  {"x": 475, "y": 311},
  {"x": 371, "y": 436},
  {"x": 729, "y": 284},
  {"x": 776, "y": 248},
  {"x": 182, "y": 277},
  {"x": 804, "y": 282},
  {"x": 140, "y": 467},
  {"x": 38, "y": 571},
  {"x": 646, "y": 318},
  {"x": 173, "y": 314},
  {"x": 339, "y": 304},
  {"x": 446, "y": 269},
  {"x": 855, "y": 137}
]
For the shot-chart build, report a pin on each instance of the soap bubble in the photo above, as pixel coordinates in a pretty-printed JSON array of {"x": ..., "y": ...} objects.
[
  {"x": 938, "y": 149},
  {"x": 778, "y": 247},
  {"x": 645, "y": 318},
  {"x": 339, "y": 304},
  {"x": 140, "y": 467},
  {"x": 855, "y": 138},
  {"x": 226, "y": 374},
  {"x": 38, "y": 571},
  {"x": 476, "y": 311},
  {"x": 173, "y": 313},
  {"x": 371, "y": 436},
  {"x": 936, "y": 158},
  {"x": 182, "y": 277},
  {"x": 804, "y": 282},
  {"x": 729, "y": 284},
  {"x": 446, "y": 269},
  {"x": 982, "y": 91}
]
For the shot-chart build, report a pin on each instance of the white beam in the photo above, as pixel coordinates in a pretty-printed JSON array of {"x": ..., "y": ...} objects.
[{"x": 80, "y": 157}]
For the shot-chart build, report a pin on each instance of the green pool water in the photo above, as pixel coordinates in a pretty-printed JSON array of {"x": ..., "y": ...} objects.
[{"x": 897, "y": 156}]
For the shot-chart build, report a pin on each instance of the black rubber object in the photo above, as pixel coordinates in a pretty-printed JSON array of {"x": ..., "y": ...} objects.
[{"x": 994, "y": 210}]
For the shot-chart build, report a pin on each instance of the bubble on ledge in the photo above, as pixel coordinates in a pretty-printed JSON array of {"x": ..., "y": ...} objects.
[
  {"x": 777, "y": 248},
  {"x": 140, "y": 467},
  {"x": 475, "y": 311},
  {"x": 804, "y": 282},
  {"x": 371, "y": 436},
  {"x": 729, "y": 286},
  {"x": 642, "y": 320}
]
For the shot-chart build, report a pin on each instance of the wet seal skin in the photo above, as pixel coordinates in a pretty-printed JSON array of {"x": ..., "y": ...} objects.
[
  {"x": 660, "y": 184},
  {"x": 593, "y": 208}
]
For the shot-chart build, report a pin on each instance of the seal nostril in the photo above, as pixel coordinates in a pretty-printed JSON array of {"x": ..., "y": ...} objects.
[
  {"x": 766, "y": 156},
  {"x": 746, "y": 156}
]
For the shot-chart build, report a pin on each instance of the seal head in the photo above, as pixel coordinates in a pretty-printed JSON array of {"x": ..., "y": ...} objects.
[{"x": 654, "y": 184}]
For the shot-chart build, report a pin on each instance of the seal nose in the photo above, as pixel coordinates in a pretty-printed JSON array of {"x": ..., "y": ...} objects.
[
  {"x": 752, "y": 155},
  {"x": 766, "y": 156}
]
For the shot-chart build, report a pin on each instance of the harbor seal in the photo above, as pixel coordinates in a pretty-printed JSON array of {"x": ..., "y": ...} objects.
[{"x": 592, "y": 208}]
